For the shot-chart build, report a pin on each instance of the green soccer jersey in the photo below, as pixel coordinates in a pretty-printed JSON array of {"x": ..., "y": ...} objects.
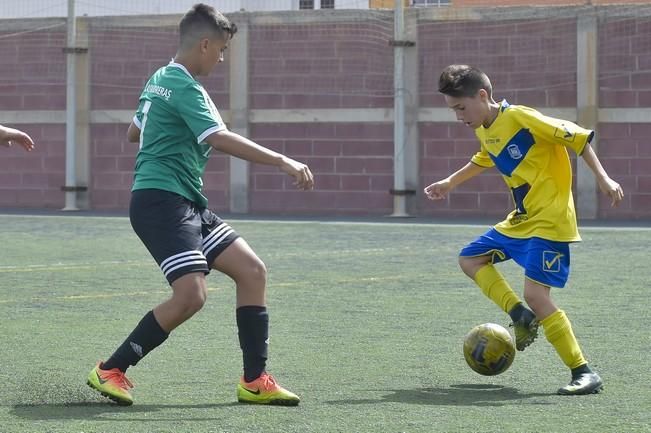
[{"x": 175, "y": 115}]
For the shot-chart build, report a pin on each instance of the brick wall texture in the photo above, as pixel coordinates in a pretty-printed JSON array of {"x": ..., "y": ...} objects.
[{"x": 333, "y": 65}]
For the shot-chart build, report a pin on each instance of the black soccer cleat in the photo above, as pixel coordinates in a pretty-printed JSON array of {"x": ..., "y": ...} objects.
[
  {"x": 525, "y": 329},
  {"x": 585, "y": 383}
]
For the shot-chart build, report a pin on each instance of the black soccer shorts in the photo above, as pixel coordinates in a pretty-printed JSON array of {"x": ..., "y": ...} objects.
[{"x": 181, "y": 236}]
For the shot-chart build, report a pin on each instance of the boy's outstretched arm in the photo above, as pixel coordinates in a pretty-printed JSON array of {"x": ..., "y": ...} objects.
[
  {"x": 606, "y": 184},
  {"x": 10, "y": 135},
  {"x": 241, "y": 147},
  {"x": 439, "y": 190}
]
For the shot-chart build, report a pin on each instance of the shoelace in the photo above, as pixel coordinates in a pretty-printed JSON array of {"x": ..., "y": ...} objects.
[
  {"x": 268, "y": 382},
  {"x": 117, "y": 376}
]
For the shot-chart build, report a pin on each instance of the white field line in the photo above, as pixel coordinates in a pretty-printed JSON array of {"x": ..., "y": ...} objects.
[
  {"x": 138, "y": 263},
  {"x": 140, "y": 293},
  {"x": 144, "y": 293},
  {"x": 71, "y": 266}
]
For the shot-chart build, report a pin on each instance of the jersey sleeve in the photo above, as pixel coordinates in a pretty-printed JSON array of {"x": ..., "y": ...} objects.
[
  {"x": 137, "y": 118},
  {"x": 199, "y": 112},
  {"x": 552, "y": 130},
  {"x": 482, "y": 159}
]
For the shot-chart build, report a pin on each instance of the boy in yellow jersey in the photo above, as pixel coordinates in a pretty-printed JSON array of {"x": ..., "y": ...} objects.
[
  {"x": 9, "y": 136},
  {"x": 529, "y": 150}
]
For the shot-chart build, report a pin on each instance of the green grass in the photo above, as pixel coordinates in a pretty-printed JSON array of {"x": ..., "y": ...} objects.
[{"x": 367, "y": 322}]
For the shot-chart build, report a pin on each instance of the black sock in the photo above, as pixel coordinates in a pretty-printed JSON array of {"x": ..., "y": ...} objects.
[
  {"x": 517, "y": 311},
  {"x": 578, "y": 371},
  {"x": 253, "y": 331},
  {"x": 143, "y": 339}
]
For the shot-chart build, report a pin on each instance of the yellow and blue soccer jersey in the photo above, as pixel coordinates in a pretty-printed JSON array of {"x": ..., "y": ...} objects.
[{"x": 529, "y": 149}]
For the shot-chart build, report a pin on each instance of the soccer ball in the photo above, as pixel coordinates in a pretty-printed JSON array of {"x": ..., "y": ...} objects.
[{"x": 489, "y": 349}]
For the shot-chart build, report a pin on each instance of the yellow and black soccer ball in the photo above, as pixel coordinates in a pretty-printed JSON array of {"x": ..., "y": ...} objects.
[{"x": 489, "y": 349}]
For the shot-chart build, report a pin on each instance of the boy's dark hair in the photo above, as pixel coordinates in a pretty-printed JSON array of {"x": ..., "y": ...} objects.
[
  {"x": 461, "y": 81},
  {"x": 204, "y": 21}
]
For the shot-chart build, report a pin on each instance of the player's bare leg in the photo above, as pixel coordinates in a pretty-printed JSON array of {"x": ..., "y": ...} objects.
[
  {"x": 538, "y": 297},
  {"x": 470, "y": 265},
  {"x": 188, "y": 297},
  {"x": 240, "y": 262}
]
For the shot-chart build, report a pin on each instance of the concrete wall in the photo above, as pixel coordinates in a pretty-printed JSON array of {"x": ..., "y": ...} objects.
[
  {"x": 625, "y": 83},
  {"x": 320, "y": 89}
]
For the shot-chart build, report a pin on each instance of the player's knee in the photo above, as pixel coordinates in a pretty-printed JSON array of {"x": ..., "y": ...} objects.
[
  {"x": 192, "y": 301},
  {"x": 199, "y": 300},
  {"x": 258, "y": 272},
  {"x": 254, "y": 273},
  {"x": 468, "y": 266},
  {"x": 196, "y": 303}
]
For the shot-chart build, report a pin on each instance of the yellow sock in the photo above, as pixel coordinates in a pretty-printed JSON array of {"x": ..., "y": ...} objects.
[
  {"x": 558, "y": 331},
  {"x": 492, "y": 284}
]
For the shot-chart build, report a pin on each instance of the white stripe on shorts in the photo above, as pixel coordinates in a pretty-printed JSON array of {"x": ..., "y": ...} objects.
[
  {"x": 215, "y": 237},
  {"x": 187, "y": 258},
  {"x": 184, "y": 264}
]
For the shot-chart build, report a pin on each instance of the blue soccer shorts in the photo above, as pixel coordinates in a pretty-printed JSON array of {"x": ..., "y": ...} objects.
[{"x": 545, "y": 262}]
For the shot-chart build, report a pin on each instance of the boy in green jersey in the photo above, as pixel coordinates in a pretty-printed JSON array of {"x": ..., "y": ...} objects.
[{"x": 178, "y": 127}]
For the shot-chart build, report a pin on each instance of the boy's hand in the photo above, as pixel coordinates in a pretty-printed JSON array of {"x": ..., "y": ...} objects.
[
  {"x": 438, "y": 190},
  {"x": 301, "y": 173},
  {"x": 612, "y": 188},
  {"x": 9, "y": 135}
]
